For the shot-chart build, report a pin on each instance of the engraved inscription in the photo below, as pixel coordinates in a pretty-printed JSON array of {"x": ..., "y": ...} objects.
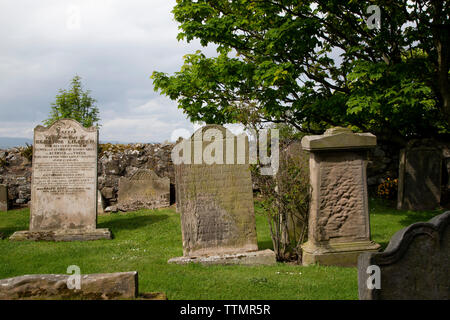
[
  {"x": 216, "y": 206},
  {"x": 64, "y": 182}
]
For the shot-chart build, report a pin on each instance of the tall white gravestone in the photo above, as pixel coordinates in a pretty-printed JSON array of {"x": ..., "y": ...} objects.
[{"x": 64, "y": 184}]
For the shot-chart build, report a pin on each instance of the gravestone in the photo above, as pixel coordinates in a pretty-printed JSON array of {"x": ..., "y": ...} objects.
[
  {"x": 415, "y": 265},
  {"x": 215, "y": 200},
  {"x": 420, "y": 174},
  {"x": 64, "y": 184},
  {"x": 3, "y": 197},
  {"x": 338, "y": 226},
  {"x": 98, "y": 286},
  {"x": 143, "y": 190}
]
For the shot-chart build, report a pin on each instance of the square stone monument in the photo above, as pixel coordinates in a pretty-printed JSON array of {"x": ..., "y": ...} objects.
[
  {"x": 420, "y": 175},
  {"x": 338, "y": 227},
  {"x": 3, "y": 197},
  {"x": 143, "y": 190},
  {"x": 215, "y": 200},
  {"x": 64, "y": 184}
]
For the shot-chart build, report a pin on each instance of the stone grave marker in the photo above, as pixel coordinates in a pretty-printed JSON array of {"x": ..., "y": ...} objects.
[
  {"x": 64, "y": 184},
  {"x": 3, "y": 197},
  {"x": 215, "y": 200},
  {"x": 143, "y": 190},
  {"x": 414, "y": 266},
  {"x": 338, "y": 227},
  {"x": 420, "y": 174},
  {"x": 98, "y": 286}
]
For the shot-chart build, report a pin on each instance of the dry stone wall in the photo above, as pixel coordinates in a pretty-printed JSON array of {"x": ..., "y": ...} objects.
[{"x": 115, "y": 162}]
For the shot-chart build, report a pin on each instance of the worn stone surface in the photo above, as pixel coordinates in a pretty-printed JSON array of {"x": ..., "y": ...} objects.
[
  {"x": 64, "y": 182},
  {"x": 215, "y": 201},
  {"x": 338, "y": 227},
  {"x": 102, "y": 286},
  {"x": 62, "y": 235},
  {"x": 415, "y": 265},
  {"x": 3, "y": 197},
  {"x": 263, "y": 257},
  {"x": 143, "y": 190},
  {"x": 420, "y": 174},
  {"x": 339, "y": 138},
  {"x": 115, "y": 163}
]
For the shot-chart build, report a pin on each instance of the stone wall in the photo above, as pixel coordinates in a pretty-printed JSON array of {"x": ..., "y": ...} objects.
[
  {"x": 383, "y": 162},
  {"x": 15, "y": 172},
  {"x": 116, "y": 161}
]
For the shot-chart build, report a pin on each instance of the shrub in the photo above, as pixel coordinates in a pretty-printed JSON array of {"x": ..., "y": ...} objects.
[
  {"x": 27, "y": 152},
  {"x": 388, "y": 189},
  {"x": 285, "y": 199}
]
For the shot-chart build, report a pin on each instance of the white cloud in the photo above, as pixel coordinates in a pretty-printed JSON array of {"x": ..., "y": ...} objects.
[{"x": 116, "y": 47}]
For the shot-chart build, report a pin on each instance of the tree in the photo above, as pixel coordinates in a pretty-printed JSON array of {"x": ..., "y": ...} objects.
[
  {"x": 314, "y": 64},
  {"x": 74, "y": 104}
]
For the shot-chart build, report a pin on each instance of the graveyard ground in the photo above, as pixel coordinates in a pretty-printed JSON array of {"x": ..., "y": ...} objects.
[{"x": 144, "y": 240}]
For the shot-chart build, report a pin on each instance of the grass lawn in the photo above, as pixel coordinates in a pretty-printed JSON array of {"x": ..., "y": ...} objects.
[{"x": 144, "y": 240}]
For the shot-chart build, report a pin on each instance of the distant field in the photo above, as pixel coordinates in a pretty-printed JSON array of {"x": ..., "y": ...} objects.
[{"x": 144, "y": 240}]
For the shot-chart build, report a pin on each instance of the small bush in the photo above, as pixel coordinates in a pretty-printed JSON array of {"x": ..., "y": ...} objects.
[
  {"x": 27, "y": 152},
  {"x": 388, "y": 189},
  {"x": 285, "y": 199}
]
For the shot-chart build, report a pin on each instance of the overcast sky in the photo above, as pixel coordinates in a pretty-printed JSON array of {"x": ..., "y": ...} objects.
[{"x": 114, "y": 45}]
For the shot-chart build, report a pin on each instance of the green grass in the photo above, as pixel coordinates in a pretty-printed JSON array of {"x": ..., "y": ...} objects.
[{"x": 144, "y": 240}]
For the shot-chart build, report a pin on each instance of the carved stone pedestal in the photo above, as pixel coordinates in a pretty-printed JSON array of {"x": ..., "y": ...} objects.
[{"x": 339, "y": 228}]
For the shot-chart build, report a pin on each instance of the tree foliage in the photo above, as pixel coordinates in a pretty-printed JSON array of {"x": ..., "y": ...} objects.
[
  {"x": 76, "y": 104},
  {"x": 313, "y": 64}
]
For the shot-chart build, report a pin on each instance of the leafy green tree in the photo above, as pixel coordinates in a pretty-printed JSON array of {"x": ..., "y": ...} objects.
[
  {"x": 313, "y": 64},
  {"x": 74, "y": 104}
]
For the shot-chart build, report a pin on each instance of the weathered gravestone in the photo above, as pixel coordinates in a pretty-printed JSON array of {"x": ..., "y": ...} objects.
[
  {"x": 100, "y": 286},
  {"x": 143, "y": 190},
  {"x": 64, "y": 184},
  {"x": 338, "y": 227},
  {"x": 415, "y": 265},
  {"x": 3, "y": 197},
  {"x": 420, "y": 174},
  {"x": 215, "y": 200}
]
